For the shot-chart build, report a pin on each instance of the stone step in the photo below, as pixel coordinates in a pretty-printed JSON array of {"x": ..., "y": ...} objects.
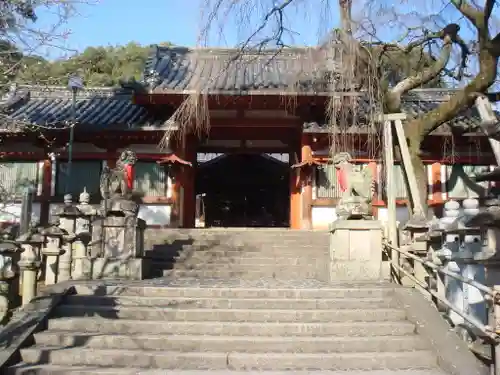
[
  {"x": 239, "y": 238},
  {"x": 246, "y": 260},
  {"x": 233, "y": 315},
  {"x": 248, "y": 245},
  {"x": 226, "y": 303},
  {"x": 122, "y": 326},
  {"x": 246, "y": 274},
  {"x": 91, "y": 370},
  {"x": 236, "y": 361},
  {"x": 244, "y": 344},
  {"x": 348, "y": 291},
  {"x": 220, "y": 265},
  {"x": 232, "y": 252},
  {"x": 248, "y": 232}
]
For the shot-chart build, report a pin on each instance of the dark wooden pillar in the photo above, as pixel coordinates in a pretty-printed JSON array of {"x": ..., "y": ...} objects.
[
  {"x": 111, "y": 157},
  {"x": 46, "y": 191},
  {"x": 188, "y": 183}
]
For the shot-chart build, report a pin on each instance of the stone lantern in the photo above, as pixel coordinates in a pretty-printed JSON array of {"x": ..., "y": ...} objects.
[
  {"x": 67, "y": 216},
  {"x": 83, "y": 231},
  {"x": 8, "y": 252},
  {"x": 31, "y": 243},
  {"x": 54, "y": 238}
]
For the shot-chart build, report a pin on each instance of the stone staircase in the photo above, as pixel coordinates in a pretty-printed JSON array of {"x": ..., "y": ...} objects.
[
  {"x": 192, "y": 326},
  {"x": 238, "y": 253}
]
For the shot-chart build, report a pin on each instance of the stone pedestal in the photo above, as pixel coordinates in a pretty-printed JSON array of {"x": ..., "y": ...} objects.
[
  {"x": 356, "y": 250},
  {"x": 118, "y": 244},
  {"x": 52, "y": 250},
  {"x": 29, "y": 265},
  {"x": 129, "y": 269},
  {"x": 67, "y": 216},
  {"x": 7, "y": 274}
]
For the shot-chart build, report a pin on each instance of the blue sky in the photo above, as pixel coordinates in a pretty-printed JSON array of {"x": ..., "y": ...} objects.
[
  {"x": 117, "y": 22},
  {"x": 113, "y": 22}
]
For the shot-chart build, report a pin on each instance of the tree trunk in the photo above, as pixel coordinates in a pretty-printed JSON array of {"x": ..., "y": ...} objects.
[{"x": 417, "y": 129}]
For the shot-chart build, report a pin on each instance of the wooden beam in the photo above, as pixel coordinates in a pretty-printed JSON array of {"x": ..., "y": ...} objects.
[
  {"x": 418, "y": 208},
  {"x": 495, "y": 147},
  {"x": 390, "y": 185}
]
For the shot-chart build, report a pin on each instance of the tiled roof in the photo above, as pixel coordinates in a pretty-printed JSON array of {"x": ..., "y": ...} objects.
[
  {"x": 415, "y": 103},
  {"x": 229, "y": 71},
  {"x": 108, "y": 109},
  {"x": 294, "y": 70},
  {"x": 96, "y": 110}
]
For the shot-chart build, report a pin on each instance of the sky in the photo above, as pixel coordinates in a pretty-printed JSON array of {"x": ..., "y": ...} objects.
[
  {"x": 118, "y": 22},
  {"x": 112, "y": 22}
]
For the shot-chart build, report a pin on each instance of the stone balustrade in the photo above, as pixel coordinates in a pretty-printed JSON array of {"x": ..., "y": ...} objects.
[{"x": 464, "y": 242}]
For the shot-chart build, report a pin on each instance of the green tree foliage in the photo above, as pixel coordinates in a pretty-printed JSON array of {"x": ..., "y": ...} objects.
[
  {"x": 99, "y": 66},
  {"x": 13, "y": 14}
]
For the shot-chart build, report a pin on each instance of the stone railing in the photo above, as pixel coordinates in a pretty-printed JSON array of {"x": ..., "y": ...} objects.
[
  {"x": 455, "y": 261},
  {"x": 82, "y": 242}
]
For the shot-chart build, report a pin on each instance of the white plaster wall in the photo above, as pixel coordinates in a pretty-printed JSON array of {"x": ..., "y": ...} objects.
[
  {"x": 11, "y": 213},
  {"x": 155, "y": 214},
  {"x": 323, "y": 216},
  {"x": 55, "y": 207},
  {"x": 402, "y": 215}
]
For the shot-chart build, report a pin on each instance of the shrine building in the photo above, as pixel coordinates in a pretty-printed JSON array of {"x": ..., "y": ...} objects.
[{"x": 262, "y": 163}]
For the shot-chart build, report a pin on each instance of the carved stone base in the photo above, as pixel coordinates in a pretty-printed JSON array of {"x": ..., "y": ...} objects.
[
  {"x": 128, "y": 269},
  {"x": 354, "y": 208},
  {"x": 356, "y": 250},
  {"x": 120, "y": 205}
]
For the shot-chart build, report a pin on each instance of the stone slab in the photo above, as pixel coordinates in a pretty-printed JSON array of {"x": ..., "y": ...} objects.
[
  {"x": 356, "y": 225},
  {"x": 128, "y": 269},
  {"x": 91, "y": 370},
  {"x": 453, "y": 353},
  {"x": 355, "y": 270},
  {"x": 356, "y": 250},
  {"x": 29, "y": 319}
]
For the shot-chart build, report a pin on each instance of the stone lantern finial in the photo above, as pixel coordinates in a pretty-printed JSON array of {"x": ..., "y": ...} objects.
[
  {"x": 84, "y": 196},
  {"x": 68, "y": 199}
]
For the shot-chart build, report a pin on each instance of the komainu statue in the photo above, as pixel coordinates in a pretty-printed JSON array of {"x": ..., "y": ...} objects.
[
  {"x": 357, "y": 186},
  {"x": 119, "y": 181}
]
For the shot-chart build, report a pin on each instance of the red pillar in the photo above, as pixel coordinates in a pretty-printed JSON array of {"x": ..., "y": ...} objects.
[{"x": 306, "y": 183}]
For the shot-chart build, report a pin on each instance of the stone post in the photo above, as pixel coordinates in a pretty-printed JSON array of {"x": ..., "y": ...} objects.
[
  {"x": 52, "y": 250},
  {"x": 30, "y": 263},
  {"x": 356, "y": 250},
  {"x": 489, "y": 258},
  {"x": 436, "y": 280},
  {"x": 67, "y": 222},
  {"x": 26, "y": 210},
  {"x": 419, "y": 236},
  {"x": 474, "y": 302},
  {"x": 449, "y": 245},
  {"x": 81, "y": 254},
  {"x": 7, "y": 273}
]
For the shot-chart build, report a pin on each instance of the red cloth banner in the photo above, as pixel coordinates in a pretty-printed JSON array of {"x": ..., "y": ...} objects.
[
  {"x": 129, "y": 169},
  {"x": 341, "y": 178}
]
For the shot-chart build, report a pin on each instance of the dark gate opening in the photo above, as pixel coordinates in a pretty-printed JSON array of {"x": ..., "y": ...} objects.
[{"x": 244, "y": 190}]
